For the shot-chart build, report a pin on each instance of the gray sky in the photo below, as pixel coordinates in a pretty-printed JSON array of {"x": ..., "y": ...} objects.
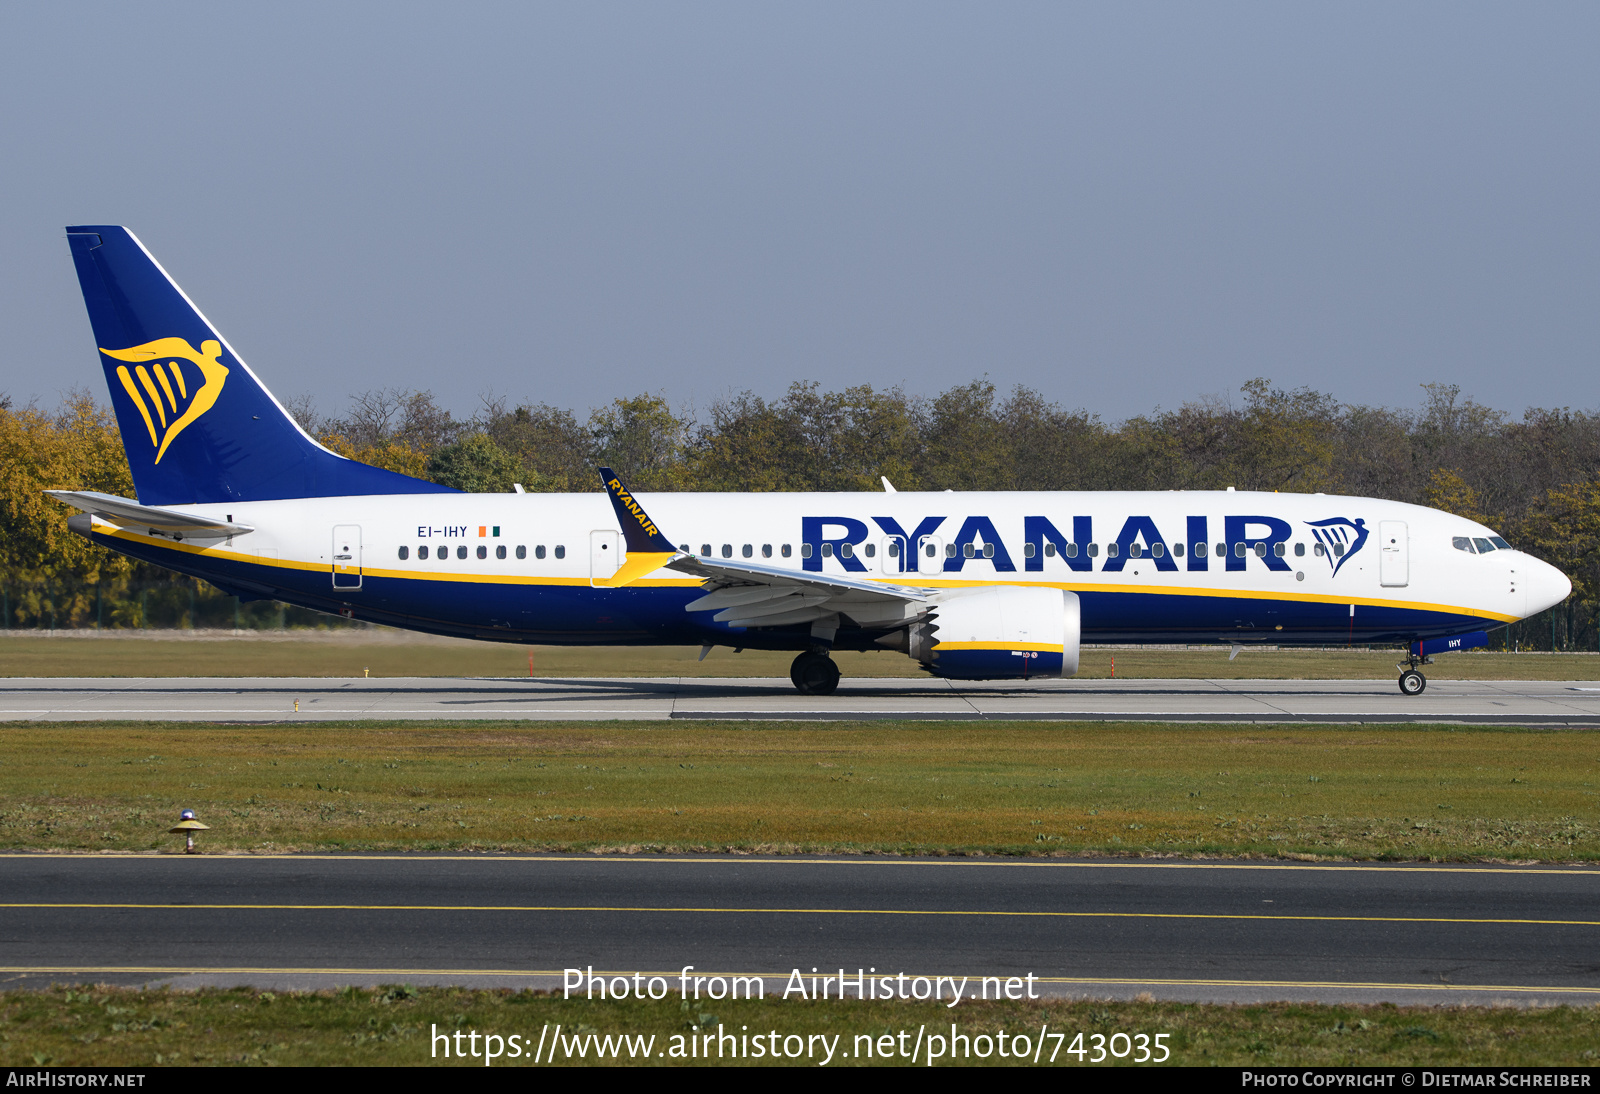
[{"x": 1122, "y": 205}]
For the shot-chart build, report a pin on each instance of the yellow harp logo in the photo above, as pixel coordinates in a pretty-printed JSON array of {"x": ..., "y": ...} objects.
[{"x": 161, "y": 375}]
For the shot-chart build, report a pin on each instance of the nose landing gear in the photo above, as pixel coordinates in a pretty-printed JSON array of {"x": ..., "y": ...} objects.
[
  {"x": 1411, "y": 681},
  {"x": 814, "y": 673}
]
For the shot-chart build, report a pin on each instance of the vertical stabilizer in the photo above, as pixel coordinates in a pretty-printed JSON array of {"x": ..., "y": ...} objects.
[{"x": 196, "y": 423}]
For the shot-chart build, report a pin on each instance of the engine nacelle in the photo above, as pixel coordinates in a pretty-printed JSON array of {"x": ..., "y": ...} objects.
[{"x": 1003, "y": 632}]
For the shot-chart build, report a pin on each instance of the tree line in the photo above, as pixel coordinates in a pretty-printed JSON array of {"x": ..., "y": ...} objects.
[{"x": 1534, "y": 478}]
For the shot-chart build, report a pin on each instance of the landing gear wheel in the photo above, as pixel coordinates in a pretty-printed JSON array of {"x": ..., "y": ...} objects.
[
  {"x": 1412, "y": 682},
  {"x": 814, "y": 674}
]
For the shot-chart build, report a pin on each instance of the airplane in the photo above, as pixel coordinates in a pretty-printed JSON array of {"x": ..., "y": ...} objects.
[{"x": 972, "y": 585}]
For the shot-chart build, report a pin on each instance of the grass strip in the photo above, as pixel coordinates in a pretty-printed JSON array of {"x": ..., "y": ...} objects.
[
  {"x": 394, "y": 1026},
  {"x": 347, "y": 655},
  {"x": 1412, "y": 792}
]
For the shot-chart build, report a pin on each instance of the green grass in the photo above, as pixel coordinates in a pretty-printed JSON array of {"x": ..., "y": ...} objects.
[
  {"x": 394, "y": 1026},
  {"x": 1016, "y": 788},
  {"x": 387, "y": 653}
]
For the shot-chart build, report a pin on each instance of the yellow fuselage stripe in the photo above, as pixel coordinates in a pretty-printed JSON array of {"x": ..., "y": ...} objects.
[{"x": 692, "y": 582}]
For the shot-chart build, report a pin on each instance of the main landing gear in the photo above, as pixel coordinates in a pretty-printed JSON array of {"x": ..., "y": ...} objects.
[
  {"x": 1411, "y": 681},
  {"x": 814, "y": 673}
]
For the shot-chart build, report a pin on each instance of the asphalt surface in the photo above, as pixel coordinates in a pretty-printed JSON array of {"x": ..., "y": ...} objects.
[
  {"x": 1555, "y": 703},
  {"x": 1218, "y": 931}
]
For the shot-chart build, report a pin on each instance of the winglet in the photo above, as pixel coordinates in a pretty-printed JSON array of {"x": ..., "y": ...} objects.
[{"x": 647, "y": 549}]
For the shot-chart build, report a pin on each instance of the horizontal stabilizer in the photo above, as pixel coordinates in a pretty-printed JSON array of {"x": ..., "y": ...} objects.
[{"x": 127, "y": 513}]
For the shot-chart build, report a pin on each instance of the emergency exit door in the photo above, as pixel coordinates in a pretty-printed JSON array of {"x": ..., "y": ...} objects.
[
  {"x": 605, "y": 555},
  {"x": 347, "y": 556},
  {"x": 1394, "y": 553}
]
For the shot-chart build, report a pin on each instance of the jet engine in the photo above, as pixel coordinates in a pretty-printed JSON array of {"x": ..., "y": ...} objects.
[{"x": 1003, "y": 632}]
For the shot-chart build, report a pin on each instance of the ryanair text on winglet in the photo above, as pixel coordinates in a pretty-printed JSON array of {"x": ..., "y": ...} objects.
[{"x": 632, "y": 506}]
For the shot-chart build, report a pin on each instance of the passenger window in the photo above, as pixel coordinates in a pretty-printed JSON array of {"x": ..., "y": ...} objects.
[
  {"x": 1279, "y": 550},
  {"x": 1094, "y": 550},
  {"x": 1158, "y": 549},
  {"x": 705, "y": 550},
  {"x": 871, "y": 550},
  {"x": 931, "y": 550},
  {"x": 949, "y": 550},
  {"x": 805, "y": 550},
  {"x": 846, "y": 550},
  {"x": 1135, "y": 550},
  {"x": 500, "y": 551},
  {"x": 1261, "y": 550},
  {"x": 747, "y": 551},
  {"x": 1177, "y": 549},
  {"x": 522, "y": 551},
  {"x": 1299, "y": 550},
  {"x": 967, "y": 550},
  {"x": 684, "y": 547},
  {"x": 404, "y": 553},
  {"x": 1027, "y": 550},
  {"x": 1238, "y": 550},
  {"x": 1050, "y": 549},
  {"x": 1319, "y": 550},
  {"x": 483, "y": 552},
  {"x": 422, "y": 552},
  {"x": 1113, "y": 550},
  {"x": 461, "y": 551},
  {"x": 727, "y": 550},
  {"x": 1462, "y": 543},
  {"x": 988, "y": 550},
  {"x": 1222, "y": 549},
  {"x": 766, "y": 550},
  {"x": 1483, "y": 546},
  {"x": 1072, "y": 550},
  {"x": 1199, "y": 550},
  {"x": 561, "y": 552},
  {"x": 538, "y": 552},
  {"x": 785, "y": 550},
  {"x": 894, "y": 548},
  {"x": 1338, "y": 550}
]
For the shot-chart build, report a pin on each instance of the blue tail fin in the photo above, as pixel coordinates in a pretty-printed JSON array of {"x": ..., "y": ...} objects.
[{"x": 196, "y": 423}]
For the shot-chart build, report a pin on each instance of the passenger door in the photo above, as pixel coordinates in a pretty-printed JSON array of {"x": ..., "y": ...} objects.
[
  {"x": 347, "y": 556},
  {"x": 1394, "y": 554}
]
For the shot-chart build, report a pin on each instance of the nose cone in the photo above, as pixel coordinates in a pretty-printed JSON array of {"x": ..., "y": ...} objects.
[{"x": 1545, "y": 585}]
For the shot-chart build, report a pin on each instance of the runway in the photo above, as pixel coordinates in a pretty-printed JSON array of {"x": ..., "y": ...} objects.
[
  {"x": 1206, "y": 931},
  {"x": 1553, "y": 703}
]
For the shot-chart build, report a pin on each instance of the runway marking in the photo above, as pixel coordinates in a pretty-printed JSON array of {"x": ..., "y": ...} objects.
[
  {"x": 1082, "y": 981},
  {"x": 635, "y": 909},
  {"x": 632, "y": 860}
]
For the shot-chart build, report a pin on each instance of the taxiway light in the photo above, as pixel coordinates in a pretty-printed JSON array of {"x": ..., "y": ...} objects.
[{"x": 187, "y": 826}]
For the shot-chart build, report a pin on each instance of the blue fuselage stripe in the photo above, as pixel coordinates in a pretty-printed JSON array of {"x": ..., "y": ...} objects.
[{"x": 583, "y": 615}]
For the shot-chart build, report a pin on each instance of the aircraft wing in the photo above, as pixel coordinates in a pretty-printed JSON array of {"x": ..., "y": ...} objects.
[
  {"x": 745, "y": 594},
  {"x": 751, "y": 594},
  {"x": 128, "y": 513}
]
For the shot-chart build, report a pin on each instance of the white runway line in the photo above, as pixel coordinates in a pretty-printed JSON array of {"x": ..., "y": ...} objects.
[{"x": 633, "y": 699}]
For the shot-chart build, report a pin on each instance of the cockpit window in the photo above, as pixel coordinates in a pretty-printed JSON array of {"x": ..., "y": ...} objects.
[
  {"x": 1462, "y": 543},
  {"x": 1483, "y": 546},
  {"x": 1500, "y": 543}
]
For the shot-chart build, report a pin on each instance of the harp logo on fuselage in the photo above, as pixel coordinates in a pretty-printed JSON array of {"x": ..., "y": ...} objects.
[{"x": 171, "y": 384}]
